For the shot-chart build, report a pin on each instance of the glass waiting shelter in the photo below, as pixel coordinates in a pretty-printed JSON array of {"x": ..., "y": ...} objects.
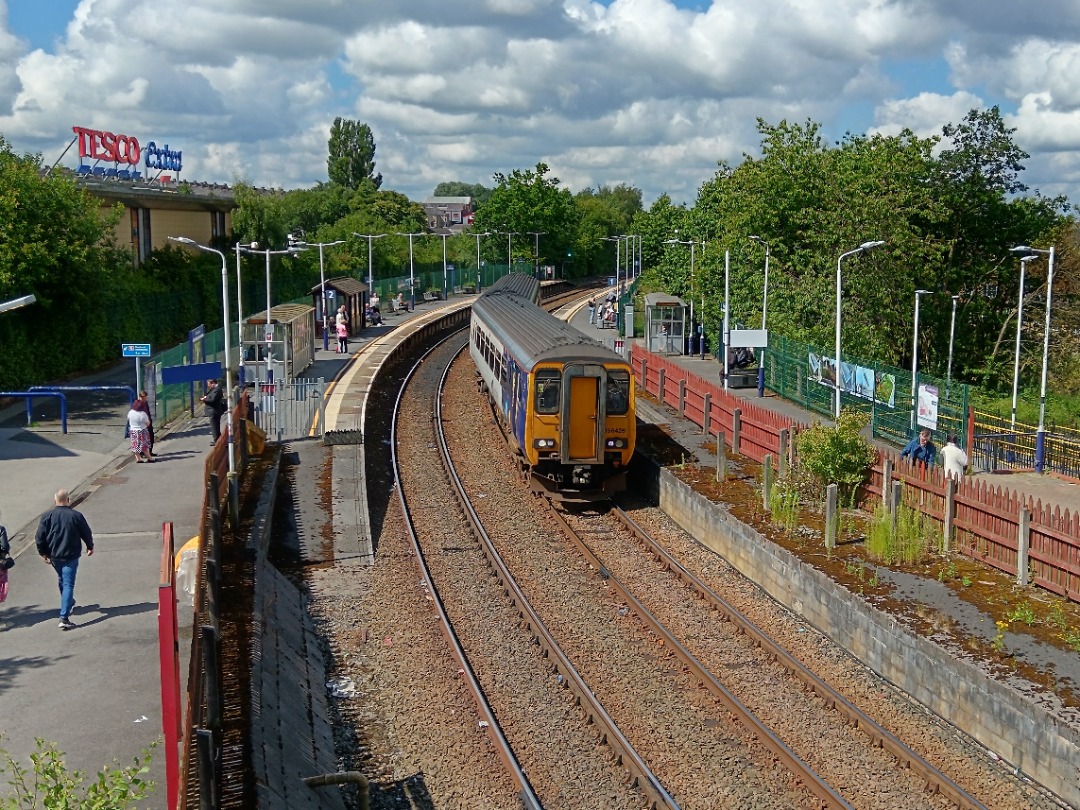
[
  {"x": 665, "y": 324},
  {"x": 285, "y": 346}
]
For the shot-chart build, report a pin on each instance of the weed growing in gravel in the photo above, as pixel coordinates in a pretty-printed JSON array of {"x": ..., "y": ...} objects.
[
  {"x": 1023, "y": 613},
  {"x": 784, "y": 506},
  {"x": 906, "y": 544},
  {"x": 999, "y": 640},
  {"x": 1057, "y": 616},
  {"x": 1072, "y": 638}
]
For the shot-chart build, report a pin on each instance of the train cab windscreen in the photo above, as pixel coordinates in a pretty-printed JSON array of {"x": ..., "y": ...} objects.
[
  {"x": 618, "y": 392},
  {"x": 548, "y": 384}
]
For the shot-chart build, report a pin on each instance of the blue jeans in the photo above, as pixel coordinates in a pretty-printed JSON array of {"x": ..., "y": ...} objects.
[{"x": 65, "y": 572}]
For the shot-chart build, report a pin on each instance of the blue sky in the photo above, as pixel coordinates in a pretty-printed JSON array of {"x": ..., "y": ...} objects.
[{"x": 651, "y": 93}]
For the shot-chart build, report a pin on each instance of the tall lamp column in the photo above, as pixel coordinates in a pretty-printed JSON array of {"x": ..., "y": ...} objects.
[
  {"x": 1040, "y": 436},
  {"x": 863, "y": 247}
]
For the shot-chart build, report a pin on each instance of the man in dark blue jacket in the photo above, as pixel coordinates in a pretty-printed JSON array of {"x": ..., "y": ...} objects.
[
  {"x": 60, "y": 536},
  {"x": 920, "y": 449}
]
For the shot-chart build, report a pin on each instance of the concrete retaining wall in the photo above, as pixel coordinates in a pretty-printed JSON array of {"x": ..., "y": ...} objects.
[{"x": 1006, "y": 722}]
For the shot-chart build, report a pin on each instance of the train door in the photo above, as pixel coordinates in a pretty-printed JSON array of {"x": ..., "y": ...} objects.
[{"x": 582, "y": 414}]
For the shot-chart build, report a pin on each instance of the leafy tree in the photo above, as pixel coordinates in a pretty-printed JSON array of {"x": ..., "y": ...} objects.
[
  {"x": 352, "y": 154},
  {"x": 529, "y": 200}
]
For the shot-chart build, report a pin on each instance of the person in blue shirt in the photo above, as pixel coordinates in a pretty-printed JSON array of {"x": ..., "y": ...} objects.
[{"x": 921, "y": 449}]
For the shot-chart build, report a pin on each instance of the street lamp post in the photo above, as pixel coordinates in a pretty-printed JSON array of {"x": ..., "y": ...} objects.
[
  {"x": 478, "y": 237},
  {"x": 371, "y": 237},
  {"x": 915, "y": 359},
  {"x": 536, "y": 250},
  {"x": 444, "y": 287},
  {"x": 863, "y": 247},
  {"x": 234, "y": 494},
  {"x": 727, "y": 314},
  {"x": 764, "y": 311},
  {"x": 15, "y": 303},
  {"x": 1040, "y": 436},
  {"x": 952, "y": 334},
  {"x": 322, "y": 280},
  {"x": 269, "y": 329},
  {"x": 691, "y": 243},
  {"x": 412, "y": 278},
  {"x": 1019, "y": 321},
  {"x": 509, "y": 248}
]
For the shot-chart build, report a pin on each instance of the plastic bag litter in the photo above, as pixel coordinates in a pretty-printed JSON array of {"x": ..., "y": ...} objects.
[
  {"x": 187, "y": 571},
  {"x": 342, "y": 687}
]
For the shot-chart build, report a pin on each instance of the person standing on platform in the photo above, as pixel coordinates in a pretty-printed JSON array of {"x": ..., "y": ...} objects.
[
  {"x": 342, "y": 337},
  {"x": 139, "y": 430},
  {"x": 60, "y": 538},
  {"x": 213, "y": 407},
  {"x": 954, "y": 458},
  {"x": 141, "y": 404},
  {"x": 921, "y": 450}
]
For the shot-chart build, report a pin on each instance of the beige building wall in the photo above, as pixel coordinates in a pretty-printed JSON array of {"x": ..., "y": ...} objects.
[{"x": 197, "y": 225}]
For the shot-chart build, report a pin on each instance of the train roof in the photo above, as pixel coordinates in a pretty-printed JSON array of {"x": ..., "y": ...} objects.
[
  {"x": 533, "y": 335},
  {"x": 517, "y": 284}
]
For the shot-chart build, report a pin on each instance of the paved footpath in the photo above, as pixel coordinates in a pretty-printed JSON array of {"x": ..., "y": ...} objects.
[{"x": 95, "y": 690}]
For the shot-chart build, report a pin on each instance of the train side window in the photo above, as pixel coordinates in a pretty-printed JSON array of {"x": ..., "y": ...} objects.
[
  {"x": 547, "y": 392},
  {"x": 618, "y": 392}
]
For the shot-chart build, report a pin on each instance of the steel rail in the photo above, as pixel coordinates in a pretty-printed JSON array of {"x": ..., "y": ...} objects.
[
  {"x": 526, "y": 794},
  {"x": 813, "y": 781},
  {"x": 610, "y": 734},
  {"x": 936, "y": 780}
]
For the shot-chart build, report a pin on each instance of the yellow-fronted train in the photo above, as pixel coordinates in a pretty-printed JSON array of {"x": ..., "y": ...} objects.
[{"x": 565, "y": 400}]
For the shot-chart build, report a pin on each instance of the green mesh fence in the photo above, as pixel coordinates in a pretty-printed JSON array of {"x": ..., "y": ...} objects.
[{"x": 884, "y": 391}]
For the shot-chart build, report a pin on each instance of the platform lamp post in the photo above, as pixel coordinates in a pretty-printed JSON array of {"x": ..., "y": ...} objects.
[
  {"x": 412, "y": 277},
  {"x": 15, "y": 303},
  {"x": 234, "y": 491},
  {"x": 444, "y": 286},
  {"x": 952, "y": 334},
  {"x": 691, "y": 243},
  {"x": 764, "y": 313},
  {"x": 509, "y": 248},
  {"x": 269, "y": 332},
  {"x": 861, "y": 248},
  {"x": 1019, "y": 321},
  {"x": 915, "y": 360},
  {"x": 1040, "y": 436},
  {"x": 322, "y": 278},
  {"x": 478, "y": 237},
  {"x": 536, "y": 250},
  {"x": 371, "y": 237}
]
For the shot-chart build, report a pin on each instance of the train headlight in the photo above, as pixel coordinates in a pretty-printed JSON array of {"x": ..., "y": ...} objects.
[
  {"x": 617, "y": 444},
  {"x": 544, "y": 444}
]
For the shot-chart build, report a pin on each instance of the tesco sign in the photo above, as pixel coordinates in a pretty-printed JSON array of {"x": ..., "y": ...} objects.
[{"x": 98, "y": 145}]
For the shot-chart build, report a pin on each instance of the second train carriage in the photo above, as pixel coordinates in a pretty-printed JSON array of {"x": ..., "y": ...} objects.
[{"x": 566, "y": 400}]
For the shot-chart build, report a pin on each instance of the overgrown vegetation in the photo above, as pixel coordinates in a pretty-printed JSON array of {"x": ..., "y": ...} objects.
[
  {"x": 785, "y": 505},
  {"x": 904, "y": 541},
  {"x": 48, "y": 783},
  {"x": 837, "y": 454}
]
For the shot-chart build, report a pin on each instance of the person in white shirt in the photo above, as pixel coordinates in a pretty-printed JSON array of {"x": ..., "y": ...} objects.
[{"x": 954, "y": 458}]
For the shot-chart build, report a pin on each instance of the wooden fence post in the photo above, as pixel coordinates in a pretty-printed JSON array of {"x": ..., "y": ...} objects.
[
  {"x": 766, "y": 481},
  {"x": 950, "y": 513},
  {"x": 895, "y": 500},
  {"x": 663, "y": 379},
  {"x": 782, "y": 455},
  {"x": 1023, "y": 545},
  {"x": 721, "y": 457},
  {"x": 831, "y": 516},
  {"x": 682, "y": 398},
  {"x": 736, "y": 432},
  {"x": 707, "y": 419}
]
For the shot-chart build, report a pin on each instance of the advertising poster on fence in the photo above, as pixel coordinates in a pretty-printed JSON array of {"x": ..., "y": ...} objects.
[
  {"x": 928, "y": 405},
  {"x": 858, "y": 381}
]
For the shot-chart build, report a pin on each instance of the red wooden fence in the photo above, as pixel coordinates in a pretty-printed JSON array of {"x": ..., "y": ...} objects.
[{"x": 986, "y": 518}]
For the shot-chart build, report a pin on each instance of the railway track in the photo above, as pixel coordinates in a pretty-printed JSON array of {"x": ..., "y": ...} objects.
[{"x": 448, "y": 741}]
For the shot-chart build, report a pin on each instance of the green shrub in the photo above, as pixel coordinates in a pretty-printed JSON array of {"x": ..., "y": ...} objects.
[
  {"x": 49, "y": 784},
  {"x": 837, "y": 455}
]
